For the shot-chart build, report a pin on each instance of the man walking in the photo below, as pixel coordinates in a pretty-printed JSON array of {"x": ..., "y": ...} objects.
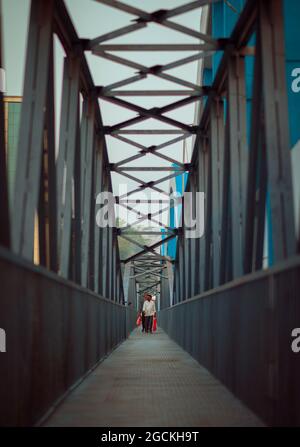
[{"x": 150, "y": 311}]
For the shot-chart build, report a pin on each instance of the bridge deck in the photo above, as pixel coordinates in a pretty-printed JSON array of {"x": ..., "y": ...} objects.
[{"x": 150, "y": 381}]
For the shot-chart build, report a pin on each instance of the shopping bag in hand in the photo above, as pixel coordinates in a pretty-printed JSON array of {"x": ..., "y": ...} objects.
[
  {"x": 139, "y": 320},
  {"x": 154, "y": 326}
]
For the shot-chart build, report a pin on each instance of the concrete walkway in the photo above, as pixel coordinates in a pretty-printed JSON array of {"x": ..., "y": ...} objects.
[{"x": 150, "y": 381}]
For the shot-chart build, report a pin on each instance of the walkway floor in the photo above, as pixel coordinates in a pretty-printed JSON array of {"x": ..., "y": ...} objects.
[{"x": 150, "y": 381}]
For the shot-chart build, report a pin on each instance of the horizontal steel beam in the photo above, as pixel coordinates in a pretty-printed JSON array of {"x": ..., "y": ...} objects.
[
  {"x": 107, "y": 131},
  {"x": 150, "y": 168},
  {"x": 158, "y": 47},
  {"x": 153, "y": 93},
  {"x": 147, "y": 233}
]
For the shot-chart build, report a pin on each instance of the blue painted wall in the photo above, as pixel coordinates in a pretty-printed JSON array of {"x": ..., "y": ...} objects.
[{"x": 292, "y": 49}]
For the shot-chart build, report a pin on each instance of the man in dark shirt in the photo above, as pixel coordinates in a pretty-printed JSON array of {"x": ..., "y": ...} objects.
[{"x": 143, "y": 313}]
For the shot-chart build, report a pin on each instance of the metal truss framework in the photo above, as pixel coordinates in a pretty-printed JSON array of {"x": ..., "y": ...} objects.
[
  {"x": 147, "y": 277},
  {"x": 61, "y": 193}
]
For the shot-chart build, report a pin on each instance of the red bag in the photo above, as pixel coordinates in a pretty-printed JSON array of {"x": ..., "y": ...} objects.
[
  {"x": 154, "y": 326},
  {"x": 139, "y": 320}
]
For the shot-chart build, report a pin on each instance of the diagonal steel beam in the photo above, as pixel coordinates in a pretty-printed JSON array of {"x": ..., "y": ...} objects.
[
  {"x": 155, "y": 113},
  {"x": 148, "y": 185},
  {"x": 117, "y": 33},
  {"x": 152, "y": 149},
  {"x": 105, "y": 91},
  {"x": 155, "y": 71},
  {"x": 150, "y": 248},
  {"x": 161, "y": 16},
  {"x": 145, "y": 272},
  {"x": 145, "y": 217},
  {"x": 143, "y": 186}
]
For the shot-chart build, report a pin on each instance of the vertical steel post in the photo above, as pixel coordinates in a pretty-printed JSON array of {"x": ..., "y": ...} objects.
[
  {"x": 104, "y": 290},
  {"x": 217, "y": 153},
  {"x": 98, "y": 231},
  {"x": 87, "y": 151},
  {"x": 225, "y": 258},
  {"x": 238, "y": 156},
  {"x": 194, "y": 242},
  {"x": 187, "y": 266},
  {"x": 202, "y": 185},
  {"x": 171, "y": 281},
  {"x": 51, "y": 171},
  {"x": 257, "y": 177},
  {"x": 66, "y": 158},
  {"x": 276, "y": 128},
  {"x": 208, "y": 224},
  {"x": 181, "y": 266},
  {"x": 4, "y": 204},
  {"x": 29, "y": 159}
]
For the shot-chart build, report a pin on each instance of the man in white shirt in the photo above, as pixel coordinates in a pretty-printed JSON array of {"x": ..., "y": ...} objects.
[{"x": 150, "y": 312}]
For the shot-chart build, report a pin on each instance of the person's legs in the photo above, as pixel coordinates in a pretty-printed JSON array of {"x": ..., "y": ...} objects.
[
  {"x": 147, "y": 324},
  {"x": 143, "y": 322},
  {"x": 150, "y": 323}
]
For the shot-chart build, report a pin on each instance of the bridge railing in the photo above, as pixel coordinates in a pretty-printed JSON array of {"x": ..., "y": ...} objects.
[
  {"x": 242, "y": 333},
  {"x": 56, "y": 333}
]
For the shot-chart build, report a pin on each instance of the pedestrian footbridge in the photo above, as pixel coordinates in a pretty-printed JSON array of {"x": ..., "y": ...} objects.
[{"x": 225, "y": 269}]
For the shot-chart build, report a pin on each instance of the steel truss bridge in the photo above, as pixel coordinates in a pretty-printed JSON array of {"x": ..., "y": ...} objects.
[{"x": 218, "y": 300}]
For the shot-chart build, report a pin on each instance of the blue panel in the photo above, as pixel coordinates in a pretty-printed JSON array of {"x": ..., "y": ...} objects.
[
  {"x": 292, "y": 45},
  {"x": 180, "y": 185},
  {"x": 224, "y": 18}
]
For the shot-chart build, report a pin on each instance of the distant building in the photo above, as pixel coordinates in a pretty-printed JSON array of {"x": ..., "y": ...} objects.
[
  {"x": 12, "y": 118},
  {"x": 12, "y": 114}
]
